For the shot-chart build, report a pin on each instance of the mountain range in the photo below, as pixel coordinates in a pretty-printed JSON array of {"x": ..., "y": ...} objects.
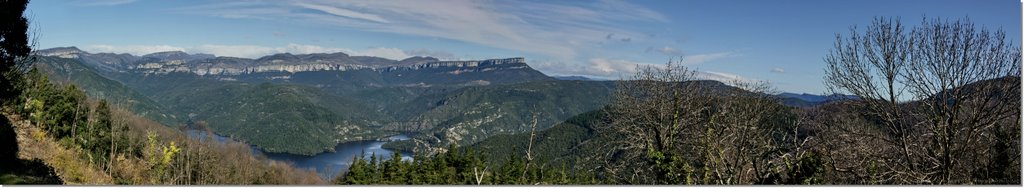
[{"x": 307, "y": 103}]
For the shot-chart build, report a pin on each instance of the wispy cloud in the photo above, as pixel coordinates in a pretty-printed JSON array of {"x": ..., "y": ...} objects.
[
  {"x": 727, "y": 78},
  {"x": 594, "y": 67},
  {"x": 665, "y": 50},
  {"x": 702, "y": 58},
  {"x": 691, "y": 59},
  {"x": 249, "y": 51},
  {"x": 778, "y": 70},
  {"x": 390, "y": 53},
  {"x": 546, "y": 28},
  {"x": 253, "y": 51},
  {"x": 609, "y": 67},
  {"x": 343, "y": 12},
  {"x": 617, "y": 68},
  {"x": 131, "y": 49}
]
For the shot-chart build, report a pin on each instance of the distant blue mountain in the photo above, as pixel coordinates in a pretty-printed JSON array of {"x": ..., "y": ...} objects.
[
  {"x": 808, "y": 100},
  {"x": 572, "y": 78},
  {"x": 178, "y": 55}
]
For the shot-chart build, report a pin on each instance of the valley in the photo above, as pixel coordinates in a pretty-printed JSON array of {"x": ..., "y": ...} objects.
[
  {"x": 308, "y": 103},
  {"x": 496, "y": 92},
  {"x": 319, "y": 111}
]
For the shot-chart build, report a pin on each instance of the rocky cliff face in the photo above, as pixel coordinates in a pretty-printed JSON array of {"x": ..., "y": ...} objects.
[
  {"x": 206, "y": 64},
  {"x": 63, "y": 52},
  {"x": 214, "y": 67}
]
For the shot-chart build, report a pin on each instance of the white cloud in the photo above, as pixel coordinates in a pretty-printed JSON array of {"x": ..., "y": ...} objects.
[
  {"x": 665, "y": 50},
  {"x": 540, "y": 27},
  {"x": 616, "y": 68},
  {"x": 248, "y": 51},
  {"x": 701, "y": 58},
  {"x": 343, "y": 12},
  {"x": 595, "y": 67},
  {"x": 727, "y": 78},
  {"x": 692, "y": 59},
  {"x": 253, "y": 51},
  {"x": 131, "y": 49},
  {"x": 390, "y": 53},
  {"x": 778, "y": 70},
  {"x": 609, "y": 67}
]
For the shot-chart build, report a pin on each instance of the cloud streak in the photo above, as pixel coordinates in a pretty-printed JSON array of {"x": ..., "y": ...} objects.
[
  {"x": 727, "y": 78},
  {"x": 665, "y": 50},
  {"x": 595, "y": 67},
  {"x": 702, "y": 58},
  {"x": 691, "y": 59},
  {"x": 546, "y": 28},
  {"x": 617, "y": 68},
  {"x": 343, "y": 12}
]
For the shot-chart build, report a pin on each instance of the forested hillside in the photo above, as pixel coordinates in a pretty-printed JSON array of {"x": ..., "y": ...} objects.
[
  {"x": 265, "y": 103},
  {"x": 440, "y": 103},
  {"x": 51, "y": 132},
  {"x": 91, "y": 142},
  {"x": 96, "y": 86},
  {"x": 562, "y": 144},
  {"x": 279, "y": 118},
  {"x": 471, "y": 114},
  {"x": 452, "y": 93}
]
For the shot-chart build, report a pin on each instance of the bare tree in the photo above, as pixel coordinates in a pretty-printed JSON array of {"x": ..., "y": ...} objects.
[
  {"x": 651, "y": 111},
  {"x": 676, "y": 129},
  {"x": 529, "y": 148},
  {"x": 744, "y": 134},
  {"x": 869, "y": 65},
  {"x": 937, "y": 91},
  {"x": 954, "y": 73}
]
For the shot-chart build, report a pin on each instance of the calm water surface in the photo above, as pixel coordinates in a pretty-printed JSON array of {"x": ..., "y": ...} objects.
[{"x": 327, "y": 164}]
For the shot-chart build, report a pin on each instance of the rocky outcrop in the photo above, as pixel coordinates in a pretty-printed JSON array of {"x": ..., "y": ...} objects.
[
  {"x": 206, "y": 64},
  {"x": 460, "y": 64},
  {"x": 63, "y": 52}
]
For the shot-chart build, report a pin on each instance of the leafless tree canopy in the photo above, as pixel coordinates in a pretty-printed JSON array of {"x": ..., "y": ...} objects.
[
  {"x": 935, "y": 101},
  {"x": 678, "y": 130},
  {"x": 938, "y": 103},
  {"x": 653, "y": 111}
]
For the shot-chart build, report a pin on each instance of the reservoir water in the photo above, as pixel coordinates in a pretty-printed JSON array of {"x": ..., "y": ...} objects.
[{"x": 327, "y": 164}]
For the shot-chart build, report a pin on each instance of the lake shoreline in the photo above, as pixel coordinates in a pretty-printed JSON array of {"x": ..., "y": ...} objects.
[{"x": 327, "y": 164}]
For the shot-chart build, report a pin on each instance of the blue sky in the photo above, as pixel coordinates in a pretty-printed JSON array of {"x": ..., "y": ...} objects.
[{"x": 781, "y": 42}]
